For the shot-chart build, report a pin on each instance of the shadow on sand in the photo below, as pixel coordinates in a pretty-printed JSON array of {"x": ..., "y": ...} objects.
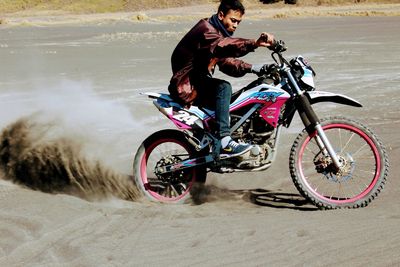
[
  {"x": 279, "y": 200},
  {"x": 210, "y": 193}
]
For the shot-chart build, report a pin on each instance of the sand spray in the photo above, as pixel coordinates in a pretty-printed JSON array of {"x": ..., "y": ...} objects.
[{"x": 67, "y": 139}]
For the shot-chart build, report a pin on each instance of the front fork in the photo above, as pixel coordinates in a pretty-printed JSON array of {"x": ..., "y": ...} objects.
[{"x": 312, "y": 124}]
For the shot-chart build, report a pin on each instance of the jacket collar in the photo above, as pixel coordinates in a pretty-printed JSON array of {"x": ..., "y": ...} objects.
[{"x": 214, "y": 21}]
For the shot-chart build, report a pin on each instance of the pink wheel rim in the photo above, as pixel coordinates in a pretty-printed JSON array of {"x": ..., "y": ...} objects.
[
  {"x": 143, "y": 173},
  {"x": 371, "y": 145}
]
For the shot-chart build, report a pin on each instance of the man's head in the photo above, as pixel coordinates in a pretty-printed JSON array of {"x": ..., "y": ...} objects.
[{"x": 230, "y": 13}]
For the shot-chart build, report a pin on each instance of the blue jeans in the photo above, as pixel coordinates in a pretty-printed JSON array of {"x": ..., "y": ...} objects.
[{"x": 215, "y": 94}]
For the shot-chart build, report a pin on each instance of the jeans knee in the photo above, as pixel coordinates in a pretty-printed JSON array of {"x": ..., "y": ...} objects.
[{"x": 225, "y": 88}]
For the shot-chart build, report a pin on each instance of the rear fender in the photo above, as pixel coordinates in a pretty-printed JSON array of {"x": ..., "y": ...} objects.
[
  {"x": 321, "y": 96},
  {"x": 182, "y": 118}
]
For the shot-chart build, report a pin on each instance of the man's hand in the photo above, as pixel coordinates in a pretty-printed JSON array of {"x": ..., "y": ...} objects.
[
  {"x": 265, "y": 40},
  {"x": 259, "y": 69},
  {"x": 271, "y": 70}
]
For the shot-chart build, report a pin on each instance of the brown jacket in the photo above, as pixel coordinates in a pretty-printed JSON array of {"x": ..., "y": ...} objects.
[{"x": 199, "y": 51}]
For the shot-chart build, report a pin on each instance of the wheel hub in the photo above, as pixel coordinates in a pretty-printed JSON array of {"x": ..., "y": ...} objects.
[
  {"x": 173, "y": 177},
  {"x": 325, "y": 165}
]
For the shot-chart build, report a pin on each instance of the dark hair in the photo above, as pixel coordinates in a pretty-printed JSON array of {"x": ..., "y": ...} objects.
[{"x": 227, "y": 5}]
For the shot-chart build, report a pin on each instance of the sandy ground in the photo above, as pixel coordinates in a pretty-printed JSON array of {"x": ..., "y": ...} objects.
[
  {"x": 281, "y": 229},
  {"x": 189, "y": 13}
]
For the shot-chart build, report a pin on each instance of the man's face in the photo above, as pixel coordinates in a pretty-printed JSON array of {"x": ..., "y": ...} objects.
[{"x": 231, "y": 19}]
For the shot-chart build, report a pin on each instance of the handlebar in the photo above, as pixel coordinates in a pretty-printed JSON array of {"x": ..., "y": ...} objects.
[{"x": 278, "y": 46}]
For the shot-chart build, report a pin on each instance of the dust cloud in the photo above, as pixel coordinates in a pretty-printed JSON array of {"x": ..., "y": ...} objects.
[{"x": 65, "y": 141}]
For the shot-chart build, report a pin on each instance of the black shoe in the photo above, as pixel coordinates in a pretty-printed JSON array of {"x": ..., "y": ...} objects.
[{"x": 234, "y": 149}]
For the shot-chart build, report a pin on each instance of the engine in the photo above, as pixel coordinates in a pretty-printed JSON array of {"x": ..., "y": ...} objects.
[{"x": 253, "y": 131}]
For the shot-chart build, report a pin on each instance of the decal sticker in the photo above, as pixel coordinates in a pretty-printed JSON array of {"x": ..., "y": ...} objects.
[
  {"x": 185, "y": 117},
  {"x": 267, "y": 96}
]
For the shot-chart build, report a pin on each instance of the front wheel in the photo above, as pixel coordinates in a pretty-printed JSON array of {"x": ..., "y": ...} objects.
[
  {"x": 363, "y": 172},
  {"x": 160, "y": 149}
]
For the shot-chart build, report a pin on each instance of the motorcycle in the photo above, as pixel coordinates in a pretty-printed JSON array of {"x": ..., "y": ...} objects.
[{"x": 335, "y": 162}]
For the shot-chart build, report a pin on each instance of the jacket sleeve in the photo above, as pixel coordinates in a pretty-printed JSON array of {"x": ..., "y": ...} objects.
[
  {"x": 234, "y": 67},
  {"x": 224, "y": 47}
]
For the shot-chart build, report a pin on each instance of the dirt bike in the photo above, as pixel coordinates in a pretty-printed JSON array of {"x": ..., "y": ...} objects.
[{"x": 335, "y": 162}]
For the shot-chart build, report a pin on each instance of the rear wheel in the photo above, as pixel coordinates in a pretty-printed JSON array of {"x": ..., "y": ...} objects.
[
  {"x": 363, "y": 172},
  {"x": 160, "y": 149}
]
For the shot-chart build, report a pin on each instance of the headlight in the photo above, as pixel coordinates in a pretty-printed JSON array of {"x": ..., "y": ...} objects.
[{"x": 304, "y": 72}]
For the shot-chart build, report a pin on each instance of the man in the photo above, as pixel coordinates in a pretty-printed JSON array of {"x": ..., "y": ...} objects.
[{"x": 207, "y": 44}]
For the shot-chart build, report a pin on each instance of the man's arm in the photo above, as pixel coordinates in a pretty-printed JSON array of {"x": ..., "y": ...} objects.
[
  {"x": 234, "y": 67},
  {"x": 224, "y": 47}
]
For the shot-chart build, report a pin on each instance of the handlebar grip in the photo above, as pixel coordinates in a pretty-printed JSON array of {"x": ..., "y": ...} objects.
[
  {"x": 278, "y": 46},
  {"x": 272, "y": 47}
]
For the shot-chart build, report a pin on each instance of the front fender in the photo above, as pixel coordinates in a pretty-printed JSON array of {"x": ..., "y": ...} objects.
[{"x": 321, "y": 96}]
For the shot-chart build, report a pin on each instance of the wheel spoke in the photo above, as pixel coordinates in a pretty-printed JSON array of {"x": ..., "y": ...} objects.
[
  {"x": 339, "y": 189},
  {"x": 367, "y": 171},
  {"x": 174, "y": 190},
  {"x": 353, "y": 181},
  {"x": 360, "y": 179},
  {"x": 348, "y": 142},
  {"x": 360, "y": 149},
  {"x": 309, "y": 150},
  {"x": 322, "y": 181}
]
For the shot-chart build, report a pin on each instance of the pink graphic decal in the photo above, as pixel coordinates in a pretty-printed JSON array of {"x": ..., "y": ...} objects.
[
  {"x": 179, "y": 124},
  {"x": 271, "y": 113}
]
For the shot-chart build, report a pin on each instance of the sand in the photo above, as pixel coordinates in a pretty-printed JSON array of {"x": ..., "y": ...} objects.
[
  {"x": 276, "y": 11},
  {"x": 245, "y": 220}
]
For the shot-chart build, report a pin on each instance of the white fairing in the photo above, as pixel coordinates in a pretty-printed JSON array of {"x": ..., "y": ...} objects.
[
  {"x": 321, "y": 96},
  {"x": 307, "y": 74},
  {"x": 308, "y": 77},
  {"x": 262, "y": 87}
]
